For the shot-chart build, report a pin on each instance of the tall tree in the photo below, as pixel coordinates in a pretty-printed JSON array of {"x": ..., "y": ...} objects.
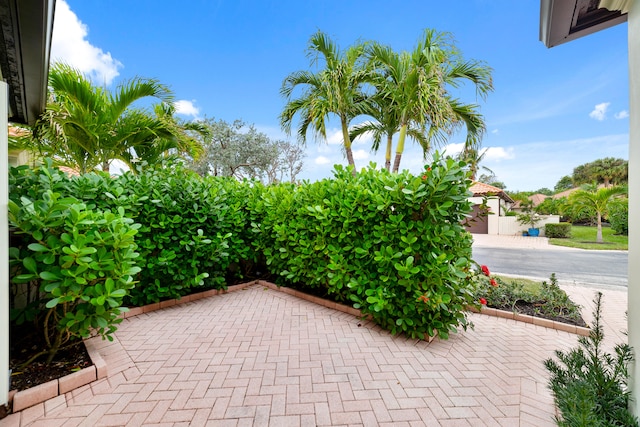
[
  {"x": 239, "y": 150},
  {"x": 596, "y": 202},
  {"x": 416, "y": 86},
  {"x": 337, "y": 89},
  {"x": 565, "y": 183},
  {"x": 386, "y": 124},
  {"x": 607, "y": 171},
  {"x": 86, "y": 126}
]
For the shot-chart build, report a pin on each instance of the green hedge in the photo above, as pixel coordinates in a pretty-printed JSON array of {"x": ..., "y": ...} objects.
[
  {"x": 561, "y": 230},
  {"x": 391, "y": 244}
]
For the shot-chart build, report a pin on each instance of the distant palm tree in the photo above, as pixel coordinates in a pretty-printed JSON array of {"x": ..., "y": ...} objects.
[
  {"x": 86, "y": 126},
  {"x": 596, "y": 201},
  {"x": 337, "y": 89},
  {"x": 415, "y": 87}
]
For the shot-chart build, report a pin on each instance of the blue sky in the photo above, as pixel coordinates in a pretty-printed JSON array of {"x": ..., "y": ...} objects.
[{"x": 551, "y": 110}]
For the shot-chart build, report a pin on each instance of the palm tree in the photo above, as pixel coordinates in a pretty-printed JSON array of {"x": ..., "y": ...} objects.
[
  {"x": 597, "y": 202},
  {"x": 415, "y": 86},
  {"x": 86, "y": 127},
  {"x": 386, "y": 125},
  {"x": 337, "y": 89}
]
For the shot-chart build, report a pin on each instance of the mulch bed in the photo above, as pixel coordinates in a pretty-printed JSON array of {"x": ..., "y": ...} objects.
[{"x": 25, "y": 343}]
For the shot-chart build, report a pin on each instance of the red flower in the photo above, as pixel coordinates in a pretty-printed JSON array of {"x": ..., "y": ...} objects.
[
  {"x": 483, "y": 301},
  {"x": 424, "y": 177},
  {"x": 485, "y": 270},
  {"x": 423, "y": 298},
  {"x": 428, "y": 169},
  {"x": 493, "y": 282}
]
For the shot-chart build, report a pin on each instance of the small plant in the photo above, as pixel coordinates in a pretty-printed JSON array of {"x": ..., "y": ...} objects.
[
  {"x": 529, "y": 214},
  {"x": 590, "y": 385}
]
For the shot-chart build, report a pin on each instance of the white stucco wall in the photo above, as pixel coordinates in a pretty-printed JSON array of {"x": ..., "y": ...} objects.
[{"x": 633, "y": 318}]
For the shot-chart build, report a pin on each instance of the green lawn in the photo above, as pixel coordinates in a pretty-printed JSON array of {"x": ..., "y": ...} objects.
[
  {"x": 585, "y": 238},
  {"x": 530, "y": 286}
]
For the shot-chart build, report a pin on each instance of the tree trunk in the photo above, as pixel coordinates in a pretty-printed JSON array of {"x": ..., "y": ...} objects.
[
  {"x": 400, "y": 148},
  {"x": 599, "y": 232},
  {"x": 347, "y": 145},
  {"x": 387, "y": 156}
]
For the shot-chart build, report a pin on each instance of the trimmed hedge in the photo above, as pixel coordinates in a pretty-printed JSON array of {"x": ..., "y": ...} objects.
[
  {"x": 393, "y": 245},
  {"x": 561, "y": 230}
]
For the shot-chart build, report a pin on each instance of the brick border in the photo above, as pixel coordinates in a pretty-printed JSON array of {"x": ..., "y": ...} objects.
[
  {"x": 551, "y": 324},
  {"x": 23, "y": 399}
]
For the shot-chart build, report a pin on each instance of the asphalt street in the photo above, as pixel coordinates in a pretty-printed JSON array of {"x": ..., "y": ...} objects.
[{"x": 579, "y": 266}]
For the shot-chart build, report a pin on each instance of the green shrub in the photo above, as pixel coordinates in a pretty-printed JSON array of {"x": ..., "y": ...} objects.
[
  {"x": 80, "y": 262},
  {"x": 589, "y": 385},
  {"x": 393, "y": 244},
  {"x": 619, "y": 216},
  {"x": 561, "y": 230}
]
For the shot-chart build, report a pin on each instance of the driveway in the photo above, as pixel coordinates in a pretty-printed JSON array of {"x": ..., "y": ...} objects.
[{"x": 534, "y": 257}]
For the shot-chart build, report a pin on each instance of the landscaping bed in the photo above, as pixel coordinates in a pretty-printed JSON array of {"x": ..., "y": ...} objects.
[{"x": 25, "y": 343}]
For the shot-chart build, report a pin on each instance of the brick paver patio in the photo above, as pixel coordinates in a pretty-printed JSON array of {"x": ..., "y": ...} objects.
[{"x": 261, "y": 357}]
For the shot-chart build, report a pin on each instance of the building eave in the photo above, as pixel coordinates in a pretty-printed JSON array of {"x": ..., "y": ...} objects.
[
  {"x": 559, "y": 21},
  {"x": 26, "y": 27}
]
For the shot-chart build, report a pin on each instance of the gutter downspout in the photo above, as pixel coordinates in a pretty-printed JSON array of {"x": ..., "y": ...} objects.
[
  {"x": 633, "y": 311},
  {"x": 4, "y": 244}
]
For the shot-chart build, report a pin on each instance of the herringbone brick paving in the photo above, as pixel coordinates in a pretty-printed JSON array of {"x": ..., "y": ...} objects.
[{"x": 258, "y": 357}]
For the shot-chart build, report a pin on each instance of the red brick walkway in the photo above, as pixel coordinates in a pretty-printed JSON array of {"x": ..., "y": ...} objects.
[{"x": 261, "y": 357}]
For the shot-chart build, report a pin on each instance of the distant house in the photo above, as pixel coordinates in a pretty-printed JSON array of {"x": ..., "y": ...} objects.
[{"x": 498, "y": 204}]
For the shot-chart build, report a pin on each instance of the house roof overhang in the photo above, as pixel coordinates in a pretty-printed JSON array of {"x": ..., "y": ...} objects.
[
  {"x": 26, "y": 27},
  {"x": 564, "y": 20},
  {"x": 480, "y": 189}
]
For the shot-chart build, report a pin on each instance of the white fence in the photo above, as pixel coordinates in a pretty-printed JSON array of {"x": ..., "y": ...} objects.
[{"x": 509, "y": 225}]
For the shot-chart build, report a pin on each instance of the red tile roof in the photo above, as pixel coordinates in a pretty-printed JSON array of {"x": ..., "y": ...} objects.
[{"x": 482, "y": 189}]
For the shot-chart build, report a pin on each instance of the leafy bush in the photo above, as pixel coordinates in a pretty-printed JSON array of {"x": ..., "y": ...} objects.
[
  {"x": 80, "y": 261},
  {"x": 194, "y": 232},
  {"x": 391, "y": 243},
  {"x": 589, "y": 385},
  {"x": 561, "y": 230},
  {"x": 619, "y": 216}
]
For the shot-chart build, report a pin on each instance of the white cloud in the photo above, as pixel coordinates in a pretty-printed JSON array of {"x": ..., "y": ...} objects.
[
  {"x": 187, "y": 108},
  {"x": 334, "y": 136},
  {"x": 322, "y": 160},
  {"x": 621, "y": 115},
  {"x": 600, "y": 111},
  {"x": 70, "y": 45},
  {"x": 495, "y": 131},
  {"x": 360, "y": 155},
  {"x": 497, "y": 154},
  {"x": 453, "y": 149}
]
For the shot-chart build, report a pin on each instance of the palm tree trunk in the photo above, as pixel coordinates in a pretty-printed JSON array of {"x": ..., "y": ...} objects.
[
  {"x": 347, "y": 145},
  {"x": 387, "y": 156},
  {"x": 400, "y": 148},
  {"x": 599, "y": 232}
]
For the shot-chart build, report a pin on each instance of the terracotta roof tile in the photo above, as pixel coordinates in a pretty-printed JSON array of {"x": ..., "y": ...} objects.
[{"x": 482, "y": 189}]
